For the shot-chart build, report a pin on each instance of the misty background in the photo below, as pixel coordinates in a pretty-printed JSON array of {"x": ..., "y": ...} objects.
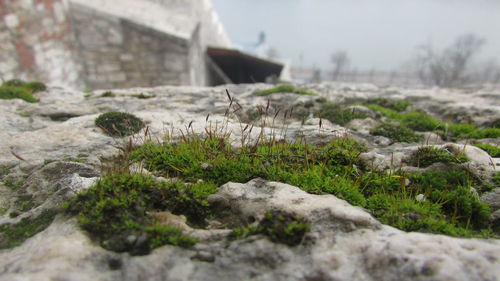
[{"x": 380, "y": 35}]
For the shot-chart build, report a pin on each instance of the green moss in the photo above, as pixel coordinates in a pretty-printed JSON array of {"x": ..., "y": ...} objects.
[
  {"x": 285, "y": 89},
  {"x": 396, "y": 105},
  {"x": 428, "y": 155},
  {"x": 119, "y": 124},
  {"x": 335, "y": 114},
  {"x": 419, "y": 121},
  {"x": 493, "y": 150},
  {"x": 18, "y": 89},
  {"x": 116, "y": 208},
  {"x": 108, "y": 94},
  {"x": 399, "y": 133},
  {"x": 143, "y": 96},
  {"x": 15, "y": 235},
  {"x": 334, "y": 168},
  {"x": 279, "y": 226},
  {"x": 452, "y": 191}
]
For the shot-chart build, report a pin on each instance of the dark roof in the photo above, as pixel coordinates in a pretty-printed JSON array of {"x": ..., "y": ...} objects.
[{"x": 243, "y": 68}]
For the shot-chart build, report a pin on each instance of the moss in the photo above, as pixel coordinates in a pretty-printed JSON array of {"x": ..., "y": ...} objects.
[
  {"x": 119, "y": 124},
  {"x": 335, "y": 114},
  {"x": 428, "y": 155},
  {"x": 285, "y": 89},
  {"x": 108, "y": 94},
  {"x": 452, "y": 191},
  {"x": 116, "y": 208},
  {"x": 15, "y": 235},
  {"x": 419, "y": 121},
  {"x": 14, "y": 183},
  {"x": 143, "y": 96},
  {"x": 279, "y": 226},
  {"x": 493, "y": 150},
  {"x": 399, "y": 133},
  {"x": 397, "y": 105},
  {"x": 18, "y": 89},
  {"x": 333, "y": 168}
]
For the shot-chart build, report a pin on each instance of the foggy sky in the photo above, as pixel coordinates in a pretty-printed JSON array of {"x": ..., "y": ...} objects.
[{"x": 378, "y": 34}]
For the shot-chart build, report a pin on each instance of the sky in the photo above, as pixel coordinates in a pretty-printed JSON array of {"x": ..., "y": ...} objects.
[{"x": 377, "y": 34}]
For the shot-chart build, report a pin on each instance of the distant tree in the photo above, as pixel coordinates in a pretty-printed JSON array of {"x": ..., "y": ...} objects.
[
  {"x": 340, "y": 61},
  {"x": 448, "y": 67}
]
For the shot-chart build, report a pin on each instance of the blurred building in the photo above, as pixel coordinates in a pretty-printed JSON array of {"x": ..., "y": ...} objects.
[{"x": 114, "y": 43}]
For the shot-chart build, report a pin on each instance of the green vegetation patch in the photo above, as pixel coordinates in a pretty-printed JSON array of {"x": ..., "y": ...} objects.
[
  {"x": 119, "y": 124},
  {"x": 143, "y": 96},
  {"x": 396, "y": 105},
  {"x": 18, "y": 89},
  {"x": 424, "y": 122},
  {"x": 337, "y": 115},
  {"x": 493, "y": 150},
  {"x": 115, "y": 211},
  {"x": 279, "y": 226},
  {"x": 108, "y": 94},
  {"x": 285, "y": 89},
  {"x": 334, "y": 168},
  {"x": 428, "y": 155},
  {"x": 15, "y": 235},
  {"x": 399, "y": 133}
]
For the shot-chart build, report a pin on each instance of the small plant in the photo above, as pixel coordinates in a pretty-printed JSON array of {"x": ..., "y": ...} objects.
[
  {"x": 119, "y": 124},
  {"x": 335, "y": 114},
  {"x": 397, "y": 133},
  {"x": 428, "y": 155},
  {"x": 279, "y": 226},
  {"x": 18, "y": 89},
  {"x": 285, "y": 89}
]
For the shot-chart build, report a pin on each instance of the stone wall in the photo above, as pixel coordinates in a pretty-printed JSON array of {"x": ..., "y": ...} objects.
[
  {"x": 212, "y": 30},
  {"x": 119, "y": 53},
  {"x": 93, "y": 44},
  {"x": 37, "y": 42}
]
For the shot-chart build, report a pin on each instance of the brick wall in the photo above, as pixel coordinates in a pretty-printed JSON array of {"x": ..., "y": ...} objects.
[{"x": 37, "y": 42}]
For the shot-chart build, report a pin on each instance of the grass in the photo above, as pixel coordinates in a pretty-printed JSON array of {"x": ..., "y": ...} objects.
[
  {"x": 18, "y": 89},
  {"x": 285, "y": 89},
  {"x": 337, "y": 115}
]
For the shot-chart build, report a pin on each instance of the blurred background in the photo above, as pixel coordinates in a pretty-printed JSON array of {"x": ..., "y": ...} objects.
[
  {"x": 99, "y": 44},
  {"x": 382, "y": 41}
]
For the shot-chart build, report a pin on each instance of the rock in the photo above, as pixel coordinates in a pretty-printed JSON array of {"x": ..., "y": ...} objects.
[
  {"x": 492, "y": 198},
  {"x": 345, "y": 242},
  {"x": 363, "y": 126},
  {"x": 250, "y": 201}
]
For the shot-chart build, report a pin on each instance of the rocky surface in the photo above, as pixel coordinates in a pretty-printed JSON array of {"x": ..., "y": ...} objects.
[{"x": 42, "y": 144}]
